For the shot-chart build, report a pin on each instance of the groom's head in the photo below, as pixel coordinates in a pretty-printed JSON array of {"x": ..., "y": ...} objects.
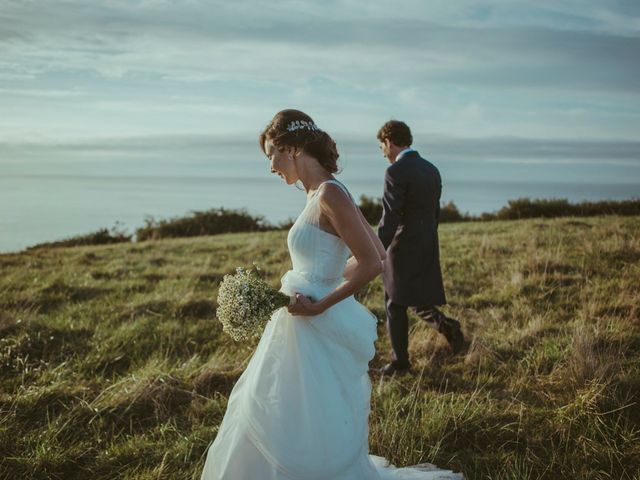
[{"x": 394, "y": 136}]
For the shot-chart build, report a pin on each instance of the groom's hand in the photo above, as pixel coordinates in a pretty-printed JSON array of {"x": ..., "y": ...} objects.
[{"x": 304, "y": 306}]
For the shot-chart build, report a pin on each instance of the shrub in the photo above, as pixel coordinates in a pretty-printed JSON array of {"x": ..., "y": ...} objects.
[
  {"x": 100, "y": 237},
  {"x": 549, "y": 208},
  {"x": 209, "y": 222},
  {"x": 450, "y": 213},
  {"x": 371, "y": 208}
]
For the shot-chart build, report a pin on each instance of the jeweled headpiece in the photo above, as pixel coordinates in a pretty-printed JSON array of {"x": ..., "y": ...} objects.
[{"x": 299, "y": 124}]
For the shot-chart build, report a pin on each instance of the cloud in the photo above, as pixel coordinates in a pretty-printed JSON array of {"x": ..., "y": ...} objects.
[
  {"x": 40, "y": 93},
  {"x": 193, "y": 41},
  {"x": 446, "y": 147},
  {"x": 550, "y": 69},
  {"x": 627, "y": 152}
]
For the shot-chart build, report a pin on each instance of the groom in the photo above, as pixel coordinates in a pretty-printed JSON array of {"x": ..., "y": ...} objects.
[{"x": 409, "y": 231}]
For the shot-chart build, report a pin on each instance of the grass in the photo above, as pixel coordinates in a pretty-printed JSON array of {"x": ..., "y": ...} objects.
[{"x": 113, "y": 366}]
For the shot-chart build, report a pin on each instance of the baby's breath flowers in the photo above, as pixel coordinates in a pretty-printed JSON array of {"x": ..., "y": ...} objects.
[{"x": 246, "y": 302}]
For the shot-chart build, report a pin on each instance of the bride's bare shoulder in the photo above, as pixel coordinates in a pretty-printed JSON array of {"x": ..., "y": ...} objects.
[{"x": 333, "y": 198}]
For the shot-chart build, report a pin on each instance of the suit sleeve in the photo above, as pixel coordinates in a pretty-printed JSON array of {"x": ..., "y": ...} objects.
[
  {"x": 393, "y": 201},
  {"x": 439, "y": 195}
]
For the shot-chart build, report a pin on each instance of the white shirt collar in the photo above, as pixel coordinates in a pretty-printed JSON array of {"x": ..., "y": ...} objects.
[{"x": 402, "y": 152}]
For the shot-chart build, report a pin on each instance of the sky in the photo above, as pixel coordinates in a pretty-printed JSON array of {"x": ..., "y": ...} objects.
[{"x": 512, "y": 80}]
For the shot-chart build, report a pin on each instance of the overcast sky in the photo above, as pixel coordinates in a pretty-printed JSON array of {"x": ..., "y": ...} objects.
[{"x": 495, "y": 76}]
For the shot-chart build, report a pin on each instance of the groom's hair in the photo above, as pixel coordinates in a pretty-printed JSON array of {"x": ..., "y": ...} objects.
[{"x": 398, "y": 132}]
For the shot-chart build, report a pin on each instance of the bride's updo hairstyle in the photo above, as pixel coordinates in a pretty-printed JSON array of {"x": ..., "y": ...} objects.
[{"x": 293, "y": 128}]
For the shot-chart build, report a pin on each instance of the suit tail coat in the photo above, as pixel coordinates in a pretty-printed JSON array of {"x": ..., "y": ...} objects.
[{"x": 409, "y": 231}]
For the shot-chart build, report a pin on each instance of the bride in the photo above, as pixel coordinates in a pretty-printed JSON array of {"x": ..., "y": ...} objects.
[{"x": 300, "y": 409}]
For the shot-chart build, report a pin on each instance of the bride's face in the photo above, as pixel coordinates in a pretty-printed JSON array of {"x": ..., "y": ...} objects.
[{"x": 281, "y": 162}]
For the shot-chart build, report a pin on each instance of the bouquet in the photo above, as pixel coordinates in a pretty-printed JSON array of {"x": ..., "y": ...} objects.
[{"x": 246, "y": 302}]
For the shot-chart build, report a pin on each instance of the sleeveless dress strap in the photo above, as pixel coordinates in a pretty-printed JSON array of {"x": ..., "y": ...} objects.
[{"x": 344, "y": 189}]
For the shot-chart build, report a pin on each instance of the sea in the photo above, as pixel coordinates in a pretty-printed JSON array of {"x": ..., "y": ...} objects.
[{"x": 47, "y": 196}]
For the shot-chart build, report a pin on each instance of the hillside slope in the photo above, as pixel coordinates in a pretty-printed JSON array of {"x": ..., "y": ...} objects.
[{"x": 113, "y": 365}]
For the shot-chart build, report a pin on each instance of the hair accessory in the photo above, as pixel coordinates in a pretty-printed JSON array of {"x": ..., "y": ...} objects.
[{"x": 300, "y": 124}]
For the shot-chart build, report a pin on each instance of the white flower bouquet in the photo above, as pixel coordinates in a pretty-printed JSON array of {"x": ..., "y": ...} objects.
[{"x": 246, "y": 302}]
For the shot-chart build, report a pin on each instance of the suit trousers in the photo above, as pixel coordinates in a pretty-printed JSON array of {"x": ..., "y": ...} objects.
[{"x": 398, "y": 328}]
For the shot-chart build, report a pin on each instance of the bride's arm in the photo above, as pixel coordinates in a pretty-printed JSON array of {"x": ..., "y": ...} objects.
[
  {"x": 352, "y": 262},
  {"x": 345, "y": 217},
  {"x": 351, "y": 265}
]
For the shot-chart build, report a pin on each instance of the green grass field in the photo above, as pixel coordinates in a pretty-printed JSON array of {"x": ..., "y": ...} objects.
[{"x": 113, "y": 365}]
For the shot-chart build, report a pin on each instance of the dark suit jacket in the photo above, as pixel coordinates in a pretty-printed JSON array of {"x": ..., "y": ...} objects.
[{"x": 409, "y": 231}]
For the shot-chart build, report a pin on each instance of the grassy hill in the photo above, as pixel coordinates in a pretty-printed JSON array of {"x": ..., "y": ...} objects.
[{"x": 112, "y": 364}]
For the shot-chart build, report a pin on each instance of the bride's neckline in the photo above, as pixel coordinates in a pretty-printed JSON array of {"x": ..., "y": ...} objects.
[{"x": 312, "y": 194}]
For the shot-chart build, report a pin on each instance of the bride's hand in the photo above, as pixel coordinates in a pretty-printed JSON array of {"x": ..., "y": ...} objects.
[{"x": 304, "y": 306}]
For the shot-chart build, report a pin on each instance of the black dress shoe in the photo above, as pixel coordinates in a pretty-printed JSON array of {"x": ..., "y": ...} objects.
[
  {"x": 450, "y": 328},
  {"x": 392, "y": 368}
]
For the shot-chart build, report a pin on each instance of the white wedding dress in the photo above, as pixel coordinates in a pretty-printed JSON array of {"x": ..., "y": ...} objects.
[{"x": 300, "y": 409}]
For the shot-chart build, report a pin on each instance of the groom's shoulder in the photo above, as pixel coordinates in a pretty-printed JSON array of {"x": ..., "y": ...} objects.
[
  {"x": 419, "y": 159},
  {"x": 405, "y": 165},
  {"x": 425, "y": 163}
]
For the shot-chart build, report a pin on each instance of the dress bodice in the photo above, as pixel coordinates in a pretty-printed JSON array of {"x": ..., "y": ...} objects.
[{"x": 316, "y": 253}]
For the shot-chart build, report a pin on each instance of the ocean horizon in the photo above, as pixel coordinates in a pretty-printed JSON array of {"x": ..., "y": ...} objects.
[
  {"x": 48, "y": 197},
  {"x": 55, "y": 191}
]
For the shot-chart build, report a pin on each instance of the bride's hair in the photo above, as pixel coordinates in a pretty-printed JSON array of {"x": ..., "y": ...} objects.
[{"x": 293, "y": 128}]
